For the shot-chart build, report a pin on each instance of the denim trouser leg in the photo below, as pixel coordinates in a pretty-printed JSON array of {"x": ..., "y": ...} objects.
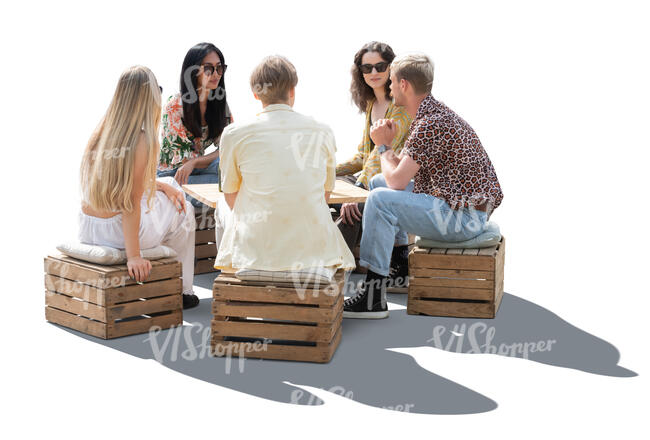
[
  {"x": 378, "y": 181},
  {"x": 209, "y": 174},
  {"x": 166, "y": 173},
  {"x": 388, "y": 211}
]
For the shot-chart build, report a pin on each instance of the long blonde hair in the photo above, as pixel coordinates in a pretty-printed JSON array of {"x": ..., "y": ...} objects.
[{"x": 109, "y": 158}]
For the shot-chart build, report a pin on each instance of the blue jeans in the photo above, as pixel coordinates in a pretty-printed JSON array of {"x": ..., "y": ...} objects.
[
  {"x": 209, "y": 174},
  {"x": 389, "y": 214}
]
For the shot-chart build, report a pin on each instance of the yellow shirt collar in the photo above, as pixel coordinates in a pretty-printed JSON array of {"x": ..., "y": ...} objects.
[{"x": 275, "y": 107}]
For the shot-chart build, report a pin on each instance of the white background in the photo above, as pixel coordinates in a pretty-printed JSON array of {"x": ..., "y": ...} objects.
[{"x": 558, "y": 93}]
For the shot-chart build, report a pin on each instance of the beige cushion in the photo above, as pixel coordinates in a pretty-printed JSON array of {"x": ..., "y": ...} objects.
[
  {"x": 108, "y": 255},
  {"x": 314, "y": 274}
]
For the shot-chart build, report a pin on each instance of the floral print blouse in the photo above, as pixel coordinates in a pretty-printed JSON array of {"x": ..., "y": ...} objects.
[{"x": 178, "y": 144}]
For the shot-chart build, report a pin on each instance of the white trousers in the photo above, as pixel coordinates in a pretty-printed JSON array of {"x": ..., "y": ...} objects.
[
  {"x": 222, "y": 217},
  {"x": 162, "y": 225}
]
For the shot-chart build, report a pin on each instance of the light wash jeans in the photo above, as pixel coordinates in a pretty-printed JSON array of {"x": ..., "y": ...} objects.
[
  {"x": 390, "y": 214},
  {"x": 209, "y": 174}
]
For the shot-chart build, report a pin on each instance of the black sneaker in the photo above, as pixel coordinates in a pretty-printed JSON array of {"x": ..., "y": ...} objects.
[
  {"x": 190, "y": 300},
  {"x": 398, "y": 278},
  {"x": 370, "y": 302}
]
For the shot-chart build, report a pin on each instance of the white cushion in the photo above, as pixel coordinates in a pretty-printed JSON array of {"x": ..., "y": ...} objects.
[
  {"x": 491, "y": 236},
  {"x": 313, "y": 274},
  {"x": 108, "y": 255}
]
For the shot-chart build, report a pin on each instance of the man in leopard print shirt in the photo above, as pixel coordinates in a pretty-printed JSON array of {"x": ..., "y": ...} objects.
[{"x": 454, "y": 192}]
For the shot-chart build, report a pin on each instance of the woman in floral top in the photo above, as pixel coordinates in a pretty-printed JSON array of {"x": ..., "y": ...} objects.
[
  {"x": 194, "y": 119},
  {"x": 371, "y": 93}
]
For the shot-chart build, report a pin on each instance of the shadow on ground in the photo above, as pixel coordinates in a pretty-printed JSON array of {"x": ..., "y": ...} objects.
[{"x": 365, "y": 370}]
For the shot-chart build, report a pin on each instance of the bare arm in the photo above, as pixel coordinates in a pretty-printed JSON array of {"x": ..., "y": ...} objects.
[
  {"x": 230, "y": 199},
  {"x": 205, "y": 160},
  {"x": 176, "y": 197},
  {"x": 231, "y": 178},
  {"x": 131, "y": 219},
  {"x": 138, "y": 267},
  {"x": 397, "y": 170}
]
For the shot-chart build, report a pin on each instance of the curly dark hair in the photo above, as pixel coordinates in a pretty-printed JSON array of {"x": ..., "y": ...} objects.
[{"x": 361, "y": 92}]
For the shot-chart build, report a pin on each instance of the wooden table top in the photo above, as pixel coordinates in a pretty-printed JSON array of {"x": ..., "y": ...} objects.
[{"x": 344, "y": 192}]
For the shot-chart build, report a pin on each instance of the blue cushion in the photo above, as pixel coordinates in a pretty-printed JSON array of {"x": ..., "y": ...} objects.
[{"x": 491, "y": 236}]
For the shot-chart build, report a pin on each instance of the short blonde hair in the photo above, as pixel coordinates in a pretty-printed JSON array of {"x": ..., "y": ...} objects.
[
  {"x": 417, "y": 69},
  {"x": 273, "y": 78}
]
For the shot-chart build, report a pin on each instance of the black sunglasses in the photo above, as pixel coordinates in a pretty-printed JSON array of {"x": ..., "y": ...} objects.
[
  {"x": 209, "y": 69},
  {"x": 367, "y": 68}
]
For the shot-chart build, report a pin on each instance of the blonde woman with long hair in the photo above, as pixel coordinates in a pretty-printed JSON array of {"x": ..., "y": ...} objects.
[{"x": 123, "y": 205}]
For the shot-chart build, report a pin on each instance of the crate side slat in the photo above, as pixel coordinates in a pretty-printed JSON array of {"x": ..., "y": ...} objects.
[
  {"x": 252, "y": 329},
  {"x": 320, "y": 354},
  {"x": 464, "y": 262},
  {"x": 448, "y": 282},
  {"x": 81, "y": 324},
  {"x": 419, "y": 272},
  {"x": 205, "y": 220},
  {"x": 65, "y": 267},
  {"x": 450, "y": 309},
  {"x": 230, "y": 288},
  {"x": 205, "y": 251},
  {"x": 113, "y": 295},
  {"x": 126, "y": 328},
  {"x": 107, "y": 276},
  {"x": 205, "y": 265},
  {"x": 146, "y": 307},
  {"x": 147, "y": 290},
  {"x": 499, "y": 274},
  {"x": 77, "y": 289},
  {"x": 77, "y": 307},
  {"x": 203, "y": 236},
  {"x": 450, "y": 293},
  {"x": 276, "y": 311}
]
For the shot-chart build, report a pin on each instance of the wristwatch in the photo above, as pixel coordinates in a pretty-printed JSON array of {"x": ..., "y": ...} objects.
[{"x": 382, "y": 149}]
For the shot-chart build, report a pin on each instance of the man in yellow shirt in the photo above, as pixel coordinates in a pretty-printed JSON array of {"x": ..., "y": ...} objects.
[{"x": 277, "y": 172}]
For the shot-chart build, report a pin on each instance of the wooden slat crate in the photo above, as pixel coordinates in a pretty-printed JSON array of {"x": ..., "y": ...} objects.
[
  {"x": 205, "y": 249},
  {"x": 297, "y": 325},
  {"x": 103, "y": 301},
  {"x": 462, "y": 283}
]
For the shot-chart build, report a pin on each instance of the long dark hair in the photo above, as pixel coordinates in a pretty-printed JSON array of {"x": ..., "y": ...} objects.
[
  {"x": 362, "y": 93},
  {"x": 215, "y": 113}
]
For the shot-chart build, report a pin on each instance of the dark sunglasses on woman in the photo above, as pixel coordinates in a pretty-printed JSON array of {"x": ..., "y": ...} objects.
[
  {"x": 367, "y": 68},
  {"x": 209, "y": 69}
]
